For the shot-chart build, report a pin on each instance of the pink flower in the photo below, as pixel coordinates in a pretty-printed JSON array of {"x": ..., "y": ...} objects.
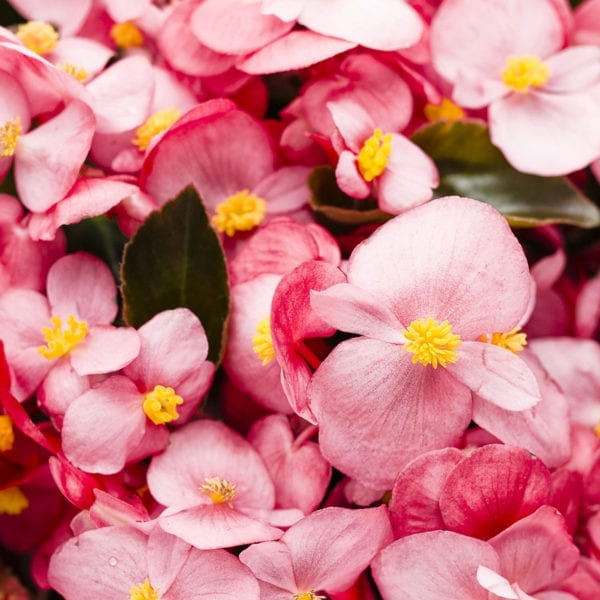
[
  {"x": 543, "y": 107},
  {"x": 420, "y": 293}
]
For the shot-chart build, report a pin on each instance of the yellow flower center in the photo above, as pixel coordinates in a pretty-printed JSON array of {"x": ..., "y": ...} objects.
[
  {"x": 38, "y": 36},
  {"x": 432, "y": 343},
  {"x": 523, "y": 72},
  {"x": 7, "y": 434},
  {"x": 143, "y": 591},
  {"x": 445, "y": 111},
  {"x": 155, "y": 124},
  {"x": 74, "y": 71},
  {"x": 220, "y": 491},
  {"x": 262, "y": 342},
  {"x": 160, "y": 405},
  {"x": 9, "y": 136},
  {"x": 512, "y": 340},
  {"x": 373, "y": 156},
  {"x": 308, "y": 596},
  {"x": 241, "y": 212},
  {"x": 126, "y": 35},
  {"x": 61, "y": 341},
  {"x": 12, "y": 501}
]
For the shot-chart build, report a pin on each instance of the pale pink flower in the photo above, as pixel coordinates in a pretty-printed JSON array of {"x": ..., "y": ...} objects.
[
  {"x": 378, "y": 398},
  {"x": 543, "y": 108}
]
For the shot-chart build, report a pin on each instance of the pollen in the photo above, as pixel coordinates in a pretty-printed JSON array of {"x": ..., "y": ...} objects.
[
  {"x": 373, "y": 156},
  {"x": 7, "y": 434},
  {"x": 40, "y": 37},
  {"x": 126, "y": 35},
  {"x": 160, "y": 405},
  {"x": 143, "y": 591},
  {"x": 12, "y": 501},
  {"x": 78, "y": 73},
  {"x": 155, "y": 124},
  {"x": 524, "y": 72},
  {"x": 262, "y": 342},
  {"x": 308, "y": 596},
  {"x": 9, "y": 136},
  {"x": 513, "y": 340},
  {"x": 431, "y": 343},
  {"x": 445, "y": 111},
  {"x": 59, "y": 340},
  {"x": 241, "y": 212},
  {"x": 220, "y": 491}
]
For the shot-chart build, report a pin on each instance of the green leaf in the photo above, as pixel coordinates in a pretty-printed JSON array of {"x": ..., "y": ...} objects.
[
  {"x": 470, "y": 165},
  {"x": 175, "y": 259},
  {"x": 335, "y": 209}
]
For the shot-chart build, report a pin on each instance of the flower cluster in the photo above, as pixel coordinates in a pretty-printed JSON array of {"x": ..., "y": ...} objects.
[{"x": 300, "y": 299}]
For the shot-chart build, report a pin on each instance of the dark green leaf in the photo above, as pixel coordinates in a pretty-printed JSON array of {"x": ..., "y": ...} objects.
[
  {"x": 470, "y": 165},
  {"x": 176, "y": 259}
]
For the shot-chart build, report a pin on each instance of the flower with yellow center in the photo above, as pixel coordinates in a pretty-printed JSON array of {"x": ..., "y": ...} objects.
[
  {"x": 7, "y": 434},
  {"x": 262, "y": 342},
  {"x": 126, "y": 35},
  {"x": 59, "y": 340},
  {"x": 155, "y": 124},
  {"x": 431, "y": 343},
  {"x": 373, "y": 156},
  {"x": 78, "y": 73},
  {"x": 513, "y": 340},
  {"x": 524, "y": 72},
  {"x": 143, "y": 591},
  {"x": 242, "y": 211},
  {"x": 308, "y": 596},
  {"x": 12, "y": 501},
  {"x": 220, "y": 491},
  {"x": 38, "y": 36},
  {"x": 9, "y": 136},
  {"x": 446, "y": 110},
  {"x": 160, "y": 405}
]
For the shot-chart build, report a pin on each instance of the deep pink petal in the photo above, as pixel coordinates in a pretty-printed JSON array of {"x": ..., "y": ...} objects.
[
  {"x": 50, "y": 156},
  {"x": 378, "y": 413},
  {"x": 433, "y": 565},
  {"x": 492, "y": 488}
]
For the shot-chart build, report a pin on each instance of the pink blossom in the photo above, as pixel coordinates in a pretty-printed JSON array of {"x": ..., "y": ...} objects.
[{"x": 419, "y": 273}]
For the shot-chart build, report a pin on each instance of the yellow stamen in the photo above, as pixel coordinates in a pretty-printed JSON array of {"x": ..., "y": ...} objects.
[
  {"x": 38, "y": 36},
  {"x": 308, "y": 596},
  {"x": 432, "y": 343},
  {"x": 512, "y": 340},
  {"x": 262, "y": 342},
  {"x": 241, "y": 212},
  {"x": 74, "y": 71},
  {"x": 9, "y": 136},
  {"x": 12, "y": 501},
  {"x": 445, "y": 111},
  {"x": 160, "y": 405},
  {"x": 143, "y": 591},
  {"x": 373, "y": 156},
  {"x": 220, "y": 491},
  {"x": 7, "y": 434},
  {"x": 523, "y": 72},
  {"x": 61, "y": 341},
  {"x": 155, "y": 124},
  {"x": 126, "y": 35}
]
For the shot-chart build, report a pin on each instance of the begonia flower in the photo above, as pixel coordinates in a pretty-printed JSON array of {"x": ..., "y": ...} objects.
[
  {"x": 420, "y": 294},
  {"x": 324, "y": 552},
  {"x": 216, "y": 488},
  {"x": 72, "y": 324},
  {"x": 542, "y": 98},
  {"x": 128, "y": 413}
]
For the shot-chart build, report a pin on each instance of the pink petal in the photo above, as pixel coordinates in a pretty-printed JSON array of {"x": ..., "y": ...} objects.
[
  {"x": 285, "y": 190},
  {"x": 68, "y": 17},
  {"x": 235, "y": 27},
  {"x": 353, "y": 122},
  {"x": 271, "y": 562},
  {"x": 574, "y": 69},
  {"x": 547, "y": 134},
  {"x": 492, "y": 488},
  {"x": 84, "y": 53},
  {"x": 81, "y": 285},
  {"x": 38, "y": 164},
  {"x": 432, "y": 565},
  {"x": 349, "y": 178},
  {"x": 294, "y": 50},
  {"x": 372, "y": 423},
  {"x": 496, "y": 375}
]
